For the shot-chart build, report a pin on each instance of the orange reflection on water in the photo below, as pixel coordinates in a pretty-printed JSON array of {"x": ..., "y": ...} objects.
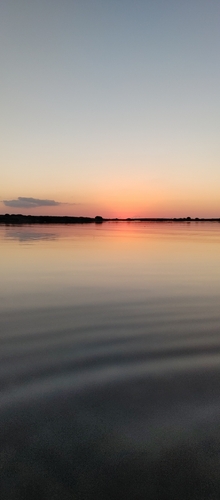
[{"x": 71, "y": 264}]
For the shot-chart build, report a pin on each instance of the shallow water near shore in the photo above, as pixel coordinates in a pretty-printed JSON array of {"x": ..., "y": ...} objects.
[{"x": 110, "y": 361}]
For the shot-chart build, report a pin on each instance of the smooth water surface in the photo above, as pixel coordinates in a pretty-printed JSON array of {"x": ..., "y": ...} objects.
[{"x": 110, "y": 361}]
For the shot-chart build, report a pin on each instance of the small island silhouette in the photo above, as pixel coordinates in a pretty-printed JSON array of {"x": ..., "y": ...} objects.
[{"x": 20, "y": 219}]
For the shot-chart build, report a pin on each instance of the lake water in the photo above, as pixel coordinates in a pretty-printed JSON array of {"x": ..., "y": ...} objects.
[{"x": 110, "y": 361}]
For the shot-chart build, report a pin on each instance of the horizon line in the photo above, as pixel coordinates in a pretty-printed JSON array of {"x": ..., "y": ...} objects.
[{"x": 41, "y": 219}]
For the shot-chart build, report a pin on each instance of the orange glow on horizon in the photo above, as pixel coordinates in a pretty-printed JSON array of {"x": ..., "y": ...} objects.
[{"x": 124, "y": 204}]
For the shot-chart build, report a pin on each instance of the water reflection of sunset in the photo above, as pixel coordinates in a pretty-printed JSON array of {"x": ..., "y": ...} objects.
[{"x": 76, "y": 262}]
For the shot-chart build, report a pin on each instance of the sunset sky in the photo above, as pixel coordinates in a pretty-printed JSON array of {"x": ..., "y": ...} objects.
[{"x": 110, "y": 107}]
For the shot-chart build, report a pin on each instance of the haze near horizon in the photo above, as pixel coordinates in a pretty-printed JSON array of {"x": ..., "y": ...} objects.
[{"x": 110, "y": 108}]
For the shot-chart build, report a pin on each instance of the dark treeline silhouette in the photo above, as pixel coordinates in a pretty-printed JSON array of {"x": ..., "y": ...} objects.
[
  {"x": 55, "y": 219},
  {"x": 47, "y": 219}
]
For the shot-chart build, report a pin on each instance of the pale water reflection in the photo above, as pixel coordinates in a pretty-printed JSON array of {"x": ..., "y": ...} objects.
[{"x": 110, "y": 361}]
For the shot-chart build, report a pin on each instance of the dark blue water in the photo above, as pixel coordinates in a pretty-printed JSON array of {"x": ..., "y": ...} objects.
[{"x": 110, "y": 362}]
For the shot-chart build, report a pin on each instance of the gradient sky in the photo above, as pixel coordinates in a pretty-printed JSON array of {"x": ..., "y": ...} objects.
[{"x": 110, "y": 107}]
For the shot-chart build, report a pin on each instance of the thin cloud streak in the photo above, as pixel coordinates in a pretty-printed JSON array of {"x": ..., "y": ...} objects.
[{"x": 22, "y": 202}]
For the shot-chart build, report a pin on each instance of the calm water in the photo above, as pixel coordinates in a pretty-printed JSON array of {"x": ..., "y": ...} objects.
[{"x": 110, "y": 361}]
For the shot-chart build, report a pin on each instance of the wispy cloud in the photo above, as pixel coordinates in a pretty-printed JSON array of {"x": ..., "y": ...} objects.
[{"x": 22, "y": 202}]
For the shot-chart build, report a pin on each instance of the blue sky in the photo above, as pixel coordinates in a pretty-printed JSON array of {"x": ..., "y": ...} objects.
[{"x": 111, "y": 107}]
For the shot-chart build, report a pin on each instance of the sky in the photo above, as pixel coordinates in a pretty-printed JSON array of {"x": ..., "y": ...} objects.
[{"x": 110, "y": 107}]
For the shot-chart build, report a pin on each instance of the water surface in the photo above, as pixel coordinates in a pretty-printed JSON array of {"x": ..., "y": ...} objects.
[{"x": 110, "y": 361}]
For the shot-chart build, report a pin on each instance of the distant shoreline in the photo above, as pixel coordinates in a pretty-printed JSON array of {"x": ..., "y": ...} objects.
[{"x": 19, "y": 219}]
